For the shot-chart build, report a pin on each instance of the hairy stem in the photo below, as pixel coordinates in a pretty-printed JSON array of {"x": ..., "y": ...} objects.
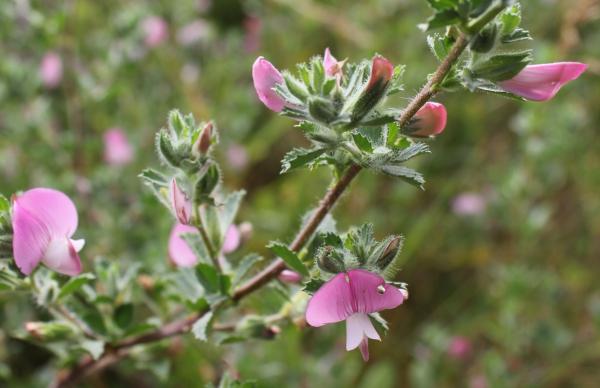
[{"x": 116, "y": 352}]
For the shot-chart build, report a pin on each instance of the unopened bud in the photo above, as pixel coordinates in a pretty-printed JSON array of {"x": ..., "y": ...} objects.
[
  {"x": 49, "y": 331},
  {"x": 386, "y": 254},
  {"x": 330, "y": 261},
  {"x": 382, "y": 72},
  {"x": 485, "y": 40},
  {"x": 322, "y": 109},
  {"x": 430, "y": 120},
  {"x": 204, "y": 141},
  {"x": 289, "y": 276}
]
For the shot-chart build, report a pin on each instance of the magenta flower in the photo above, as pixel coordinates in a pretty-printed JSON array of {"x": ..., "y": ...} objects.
[
  {"x": 43, "y": 221},
  {"x": 459, "y": 348},
  {"x": 180, "y": 252},
  {"x": 232, "y": 240},
  {"x": 289, "y": 276},
  {"x": 469, "y": 204},
  {"x": 351, "y": 296},
  {"x": 180, "y": 204},
  {"x": 117, "y": 150},
  {"x": 430, "y": 120},
  {"x": 542, "y": 82},
  {"x": 156, "y": 31},
  {"x": 266, "y": 77},
  {"x": 51, "y": 70},
  {"x": 333, "y": 67},
  {"x": 382, "y": 71}
]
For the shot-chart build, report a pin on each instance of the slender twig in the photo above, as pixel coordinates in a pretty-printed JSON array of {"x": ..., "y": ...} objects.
[{"x": 114, "y": 353}]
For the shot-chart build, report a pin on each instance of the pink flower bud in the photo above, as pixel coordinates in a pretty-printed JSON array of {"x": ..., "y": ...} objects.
[
  {"x": 180, "y": 204},
  {"x": 382, "y": 71},
  {"x": 289, "y": 276},
  {"x": 266, "y": 77},
  {"x": 459, "y": 348},
  {"x": 542, "y": 82},
  {"x": 51, "y": 70},
  {"x": 117, "y": 150},
  {"x": 430, "y": 120},
  {"x": 333, "y": 67},
  {"x": 155, "y": 30},
  {"x": 204, "y": 140}
]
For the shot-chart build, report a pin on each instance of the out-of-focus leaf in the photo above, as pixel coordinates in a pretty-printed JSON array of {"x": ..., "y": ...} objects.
[
  {"x": 202, "y": 326},
  {"x": 123, "y": 315},
  {"x": 290, "y": 258},
  {"x": 75, "y": 283}
]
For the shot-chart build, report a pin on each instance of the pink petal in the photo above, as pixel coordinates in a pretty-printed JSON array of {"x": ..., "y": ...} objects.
[
  {"x": 156, "y": 31},
  {"x": 364, "y": 349},
  {"x": 331, "y": 303},
  {"x": 117, "y": 150},
  {"x": 61, "y": 256},
  {"x": 30, "y": 239},
  {"x": 382, "y": 71},
  {"x": 372, "y": 293},
  {"x": 430, "y": 120},
  {"x": 266, "y": 77},
  {"x": 542, "y": 82},
  {"x": 180, "y": 204},
  {"x": 233, "y": 237},
  {"x": 51, "y": 70},
  {"x": 180, "y": 252},
  {"x": 331, "y": 65}
]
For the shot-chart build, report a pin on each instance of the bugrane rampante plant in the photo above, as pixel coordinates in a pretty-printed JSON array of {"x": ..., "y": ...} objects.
[{"x": 99, "y": 316}]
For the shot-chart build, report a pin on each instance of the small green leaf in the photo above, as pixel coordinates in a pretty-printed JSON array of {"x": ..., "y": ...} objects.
[
  {"x": 516, "y": 36},
  {"x": 300, "y": 157},
  {"x": 313, "y": 285},
  {"x": 4, "y": 204},
  {"x": 290, "y": 258},
  {"x": 75, "y": 283},
  {"x": 362, "y": 142},
  {"x": 229, "y": 209},
  {"x": 510, "y": 19},
  {"x": 443, "y": 18},
  {"x": 94, "y": 348},
  {"x": 208, "y": 276},
  {"x": 123, "y": 315},
  {"x": 202, "y": 326},
  {"x": 407, "y": 174}
]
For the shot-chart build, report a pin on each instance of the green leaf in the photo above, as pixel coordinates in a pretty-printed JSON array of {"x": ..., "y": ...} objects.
[
  {"x": 229, "y": 209},
  {"x": 208, "y": 276},
  {"x": 380, "y": 323},
  {"x": 202, "y": 326},
  {"x": 502, "y": 67},
  {"x": 516, "y": 36},
  {"x": 300, "y": 157},
  {"x": 4, "y": 204},
  {"x": 362, "y": 142},
  {"x": 443, "y": 18},
  {"x": 396, "y": 82},
  {"x": 313, "y": 285},
  {"x": 510, "y": 19},
  {"x": 290, "y": 258},
  {"x": 75, "y": 283},
  {"x": 93, "y": 348},
  {"x": 123, "y": 315},
  {"x": 439, "y": 5},
  {"x": 195, "y": 242},
  {"x": 415, "y": 149},
  {"x": 407, "y": 174},
  {"x": 440, "y": 45},
  {"x": 157, "y": 183},
  {"x": 9, "y": 279}
]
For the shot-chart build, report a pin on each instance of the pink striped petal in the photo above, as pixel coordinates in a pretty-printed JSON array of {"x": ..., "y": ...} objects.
[
  {"x": 233, "y": 237},
  {"x": 180, "y": 252},
  {"x": 542, "y": 82},
  {"x": 180, "y": 204},
  {"x": 372, "y": 293},
  {"x": 331, "y": 303},
  {"x": 430, "y": 120},
  {"x": 266, "y": 77}
]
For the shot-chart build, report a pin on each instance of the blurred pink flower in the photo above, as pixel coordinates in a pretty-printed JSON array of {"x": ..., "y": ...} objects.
[
  {"x": 289, "y": 276},
  {"x": 180, "y": 252},
  {"x": 232, "y": 239},
  {"x": 459, "y": 347},
  {"x": 117, "y": 149},
  {"x": 156, "y": 31},
  {"x": 542, "y": 82},
  {"x": 266, "y": 77},
  {"x": 430, "y": 120},
  {"x": 252, "y": 28},
  {"x": 51, "y": 70},
  {"x": 181, "y": 205},
  {"x": 469, "y": 204},
  {"x": 237, "y": 156},
  {"x": 192, "y": 32},
  {"x": 351, "y": 296},
  {"x": 43, "y": 221}
]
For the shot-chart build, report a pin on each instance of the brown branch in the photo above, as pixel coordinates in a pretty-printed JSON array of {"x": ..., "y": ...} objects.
[{"x": 114, "y": 353}]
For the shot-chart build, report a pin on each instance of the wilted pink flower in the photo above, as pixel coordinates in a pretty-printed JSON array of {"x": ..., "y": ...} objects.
[
  {"x": 43, "y": 221},
  {"x": 289, "y": 276},
  {"x": 117, "y": 150},
  {"x": 51, "y": 70},
  {"x": 266, "y": 77},
  {"x": 155, "y": 30},
  {"x": 252, "y": 27},
  {"x": 232, "y": 239},
  {"x": 333, "y": 67},
  {"x": 468, "y": 204},
  {"x": 351, "y": 296},
  {"x": 459, "y": 347},
  {"x": 430, "y": 120},
  {"x": 542, "y": 82},
  {"x": 192, "y": 32},
  {"x": 382, "y": 71},
  {"x": 180, "y": 204},
  {"x": 180, "y": 252}
]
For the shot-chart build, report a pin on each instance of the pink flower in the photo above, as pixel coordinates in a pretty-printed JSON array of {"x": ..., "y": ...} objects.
[
  {"x": 333, "y": 67},
  {"x": 51, "y": 70},
  {"x": 180, "y": 204},
  {"x": 266, "y": 77},
  {"x": 192, "y": 32},
  {"x": 155, "y": 30},
  {"x": 232, "y": 240},
  {"x": 117, "y": 150},
  {"x": 237, "y": 156},
  {"x": 43, "y": 221},
  {"x": 542, "y": 82},
  {"x": 468, "y": 204},
  {"x": 180, "y": 252},
  {"x": 252, "y": 27},
  {"x": 351, "y": 296},
  {"x": 430, "y": 120},
  {"x": 382, "y": 71},
  {"x": 289, "y": 276},
  {"x": 459, "y": 348}
]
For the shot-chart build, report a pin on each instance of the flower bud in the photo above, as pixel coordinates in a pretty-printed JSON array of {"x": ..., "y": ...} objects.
[
  {"x": 289, "y": 276},
  {"x": 485, "y": 40},
  {"x": 49, "y": 331},
  {"x": 330, "y": 261},
  {"x": 389, "y": 252},
  {"x": 266, "y": 77},
  {"x": 181, "y": 205},
  {"x": 382, "y": 71},
  {"x": 204, "y": 141},
  {"x": 322, "y": 109},
  {"x": 430, "y": 120}
]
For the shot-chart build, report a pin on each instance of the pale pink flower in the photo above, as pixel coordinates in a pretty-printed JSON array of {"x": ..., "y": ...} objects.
[
  {"x": 266, "y": 77},
  {"x": 192, "y": 32},
  {"x": 43, "y": 221},
  {"x": 351, "y": 296},
  {"x": 333, "y": 67},
  {"x": 289, "y": 276},
  {"x": 156, "y": 31},
  {"x": 181, "y": 205},
  {"x": 542, "y": 82},
  {"x": 51, "y": 70},
  {"x": 459, "y": 347},
  {"x": 117, "y": 149},
  {"x": 469, "y": 204},
  {"x": 430, "y": 120},
  {"x": 180, "y": 252},
  {"x": 237, "y": 156}
]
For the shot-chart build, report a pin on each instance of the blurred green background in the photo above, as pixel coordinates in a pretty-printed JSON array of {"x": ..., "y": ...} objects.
[{"x": 502, "y": 249}]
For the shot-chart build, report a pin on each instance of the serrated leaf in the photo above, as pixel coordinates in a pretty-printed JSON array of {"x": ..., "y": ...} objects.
[
  {"x": 157, "y": 183},
  {"x": 75, "y": 283},
  {"x": 440, "y": 45},
  {"x": 313, "y": 285},
  {"x": 300, "y": 157},
  {"x": 290, "y": 258},
  {"x": 510, "y": 19},
  {"x": 380, "y": 323},
  {"x": 415, "y": 149},
  {"x": 516, "y": 36},
  {"x": 502, "y": 67},
  {"x": 362, "y": 142},
  {"x": 407, "y": 174},
  {"x": 442, "y": 18},
  {"x": 202, "y": 326}
]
